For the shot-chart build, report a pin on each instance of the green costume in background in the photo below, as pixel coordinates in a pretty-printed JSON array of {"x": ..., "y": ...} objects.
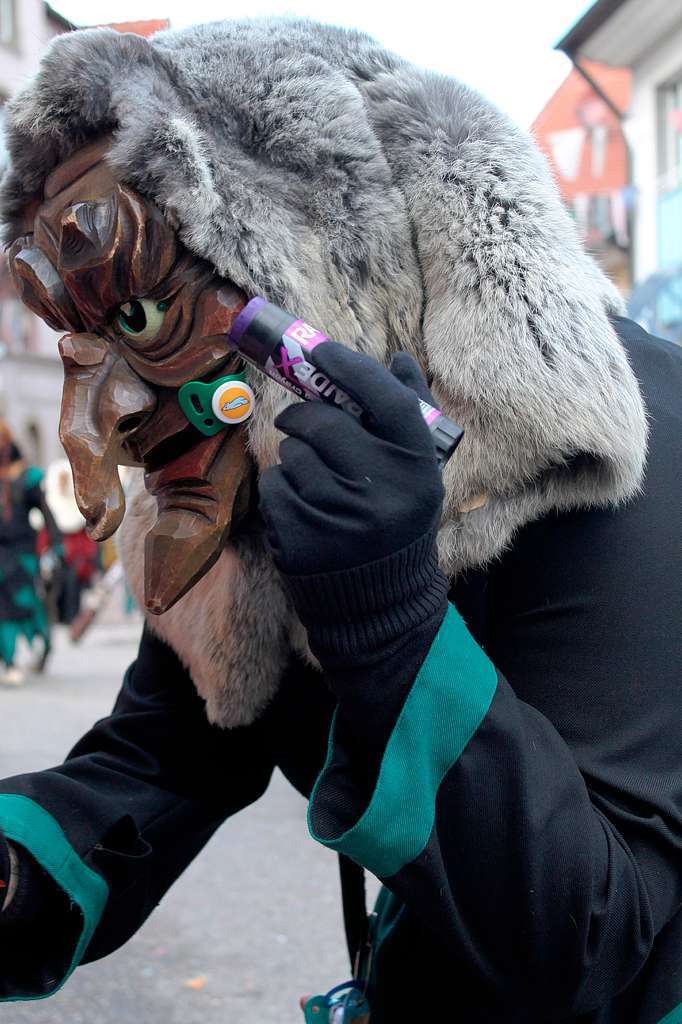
[{"x": 22, "y": 611}]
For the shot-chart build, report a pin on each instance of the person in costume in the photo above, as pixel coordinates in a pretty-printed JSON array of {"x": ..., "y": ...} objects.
[
  {"x": 23, "y": 616},
  {"x": 473, "y": 677},
  {"x": 80, "y": 562}
]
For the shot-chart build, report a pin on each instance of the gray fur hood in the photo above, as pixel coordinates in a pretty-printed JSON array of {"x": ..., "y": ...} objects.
[{"x": 392, "y": 207}]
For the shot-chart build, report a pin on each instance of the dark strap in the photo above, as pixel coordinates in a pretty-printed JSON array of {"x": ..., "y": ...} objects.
[{"x": 354, "y": 906}]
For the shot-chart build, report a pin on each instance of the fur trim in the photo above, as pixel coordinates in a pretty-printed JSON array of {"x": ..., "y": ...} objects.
[{"x": 392, "y": 207}]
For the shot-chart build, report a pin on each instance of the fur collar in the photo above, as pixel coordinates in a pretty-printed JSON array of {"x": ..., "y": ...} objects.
[{"x": 395, "y": 209}]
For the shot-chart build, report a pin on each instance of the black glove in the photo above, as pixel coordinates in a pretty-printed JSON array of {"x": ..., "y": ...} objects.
[{"x": 352, "y": 511}]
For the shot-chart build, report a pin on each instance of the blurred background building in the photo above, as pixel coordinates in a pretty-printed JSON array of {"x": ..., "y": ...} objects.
[
  {"x": 580, "y": 131},
  {"x": 30, "y": 368},
  {"x": 645, "y": 37},
  {"x": 612, "y": 133}
]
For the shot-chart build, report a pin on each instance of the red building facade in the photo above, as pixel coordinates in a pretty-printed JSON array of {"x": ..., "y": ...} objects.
[{"x": 583, "y": 141}]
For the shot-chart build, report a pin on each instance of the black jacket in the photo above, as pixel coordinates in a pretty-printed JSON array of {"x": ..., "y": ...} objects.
[{"x": 517, "y": 784}]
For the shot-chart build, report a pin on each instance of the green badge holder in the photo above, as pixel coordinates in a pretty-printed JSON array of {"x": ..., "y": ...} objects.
[{"x": 196, "y": 401}]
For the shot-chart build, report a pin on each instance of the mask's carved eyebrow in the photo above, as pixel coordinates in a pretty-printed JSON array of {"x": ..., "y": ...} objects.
[
  {"x": 100, "y": 244},
  {"x": 41, "y": 288}
]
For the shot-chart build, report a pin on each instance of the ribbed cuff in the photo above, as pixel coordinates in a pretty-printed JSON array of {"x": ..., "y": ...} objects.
[{"x": 362, "y": 610}]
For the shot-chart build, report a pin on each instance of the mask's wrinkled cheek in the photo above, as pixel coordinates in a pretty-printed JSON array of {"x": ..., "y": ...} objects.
[
  {"x": 201, "y": 496},
  {"x": 103, "y": 402}
]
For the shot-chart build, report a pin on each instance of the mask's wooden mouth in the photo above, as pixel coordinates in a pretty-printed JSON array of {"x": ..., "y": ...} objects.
[
  {"x": 174, "y": 447},
  {"x": 184, "y": 479},
  {"x": 201, "y": 496}
]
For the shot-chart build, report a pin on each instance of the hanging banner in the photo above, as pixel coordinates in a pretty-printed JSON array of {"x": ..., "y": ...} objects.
[
  {"x": 675, "y": 119},
  {"x": 619, "y": 217},
  {"x": 600, "y": 139},
  {"x": 581, "y": 211},
  {"x": 593, "y": 112},
  {"x": 567, "y": 151}
]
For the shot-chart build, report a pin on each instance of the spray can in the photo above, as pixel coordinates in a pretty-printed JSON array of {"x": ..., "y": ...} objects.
[{"x": 283, "y": 347}]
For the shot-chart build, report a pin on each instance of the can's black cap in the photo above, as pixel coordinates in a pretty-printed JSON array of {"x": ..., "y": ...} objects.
[{"x": 446, "y": 436}]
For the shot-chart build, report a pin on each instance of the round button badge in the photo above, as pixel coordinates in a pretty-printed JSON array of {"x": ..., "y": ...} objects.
[{"x": 233, "y": 402}]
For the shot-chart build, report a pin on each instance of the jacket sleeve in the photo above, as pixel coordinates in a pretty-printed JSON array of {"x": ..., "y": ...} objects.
[
  {"x": 118, "y": 822},
  {"x": 525, "y": 802}
]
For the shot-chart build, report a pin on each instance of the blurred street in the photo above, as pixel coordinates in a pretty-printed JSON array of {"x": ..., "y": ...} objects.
[{"x": 253, "y": 924}]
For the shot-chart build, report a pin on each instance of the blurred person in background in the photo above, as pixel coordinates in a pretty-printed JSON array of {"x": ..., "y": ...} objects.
[
  {"x": 70, "y": 576},
  {"x": 23, "y": 615}
]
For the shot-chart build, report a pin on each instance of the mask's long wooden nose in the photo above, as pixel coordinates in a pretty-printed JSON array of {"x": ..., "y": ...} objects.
[{"x": 103, "y": 402}]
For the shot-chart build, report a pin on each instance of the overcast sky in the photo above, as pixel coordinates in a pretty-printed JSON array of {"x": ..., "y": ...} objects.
[{"x": 501, "y": 47}]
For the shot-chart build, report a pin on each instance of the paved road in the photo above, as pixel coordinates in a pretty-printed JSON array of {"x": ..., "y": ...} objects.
[{"x": 254, "y": 922}]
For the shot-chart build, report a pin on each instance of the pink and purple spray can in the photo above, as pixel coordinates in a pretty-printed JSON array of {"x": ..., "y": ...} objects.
[{"x": 283, "y": 347}]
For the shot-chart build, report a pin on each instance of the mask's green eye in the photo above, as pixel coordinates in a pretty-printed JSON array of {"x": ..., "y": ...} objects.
[{"x": 141, "y": 319}]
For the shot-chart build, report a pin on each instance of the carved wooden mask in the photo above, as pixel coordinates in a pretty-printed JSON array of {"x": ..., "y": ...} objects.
[{"x": 144, "y": 316}]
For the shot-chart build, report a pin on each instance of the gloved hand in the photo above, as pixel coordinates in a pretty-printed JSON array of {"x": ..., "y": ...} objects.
[
  {"x": 352, "y": 510},
  {"x": 344, "y": 493}
]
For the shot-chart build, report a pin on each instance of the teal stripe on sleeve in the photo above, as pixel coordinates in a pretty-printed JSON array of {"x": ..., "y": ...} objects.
[
  {"x": 31, "y": 826},
  {"x": 448, "y": 701},
  {"x": 674, "y": 1017}
]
